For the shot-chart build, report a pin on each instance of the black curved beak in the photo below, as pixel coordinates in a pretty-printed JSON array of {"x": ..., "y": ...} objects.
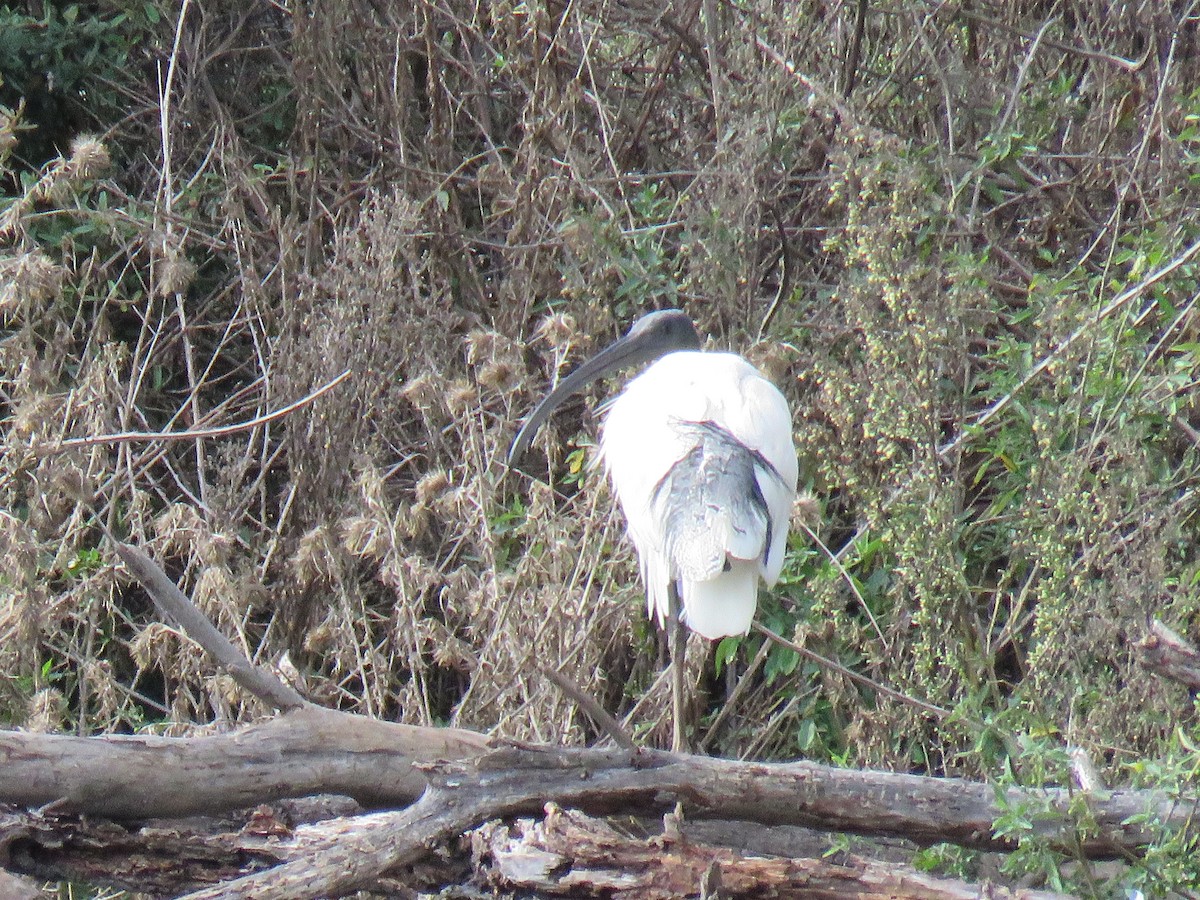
[{"x": 628, "y": 350}]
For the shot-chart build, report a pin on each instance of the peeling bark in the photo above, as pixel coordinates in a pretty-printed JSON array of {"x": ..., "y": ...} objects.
[{"x": 568, "y": 854}]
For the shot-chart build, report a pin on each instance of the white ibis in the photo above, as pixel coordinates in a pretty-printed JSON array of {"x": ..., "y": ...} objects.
[{"x": 700, "y": 453}]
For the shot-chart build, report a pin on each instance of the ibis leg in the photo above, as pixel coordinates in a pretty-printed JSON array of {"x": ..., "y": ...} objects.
[{"x": 677, "y": 639}]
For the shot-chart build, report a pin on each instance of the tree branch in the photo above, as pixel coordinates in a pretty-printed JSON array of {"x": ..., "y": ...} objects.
[
  {"x": 1167, "y": 653},
  {"x": 305, "y": 751},
  {"x": 175, "y": 606},
  {"x": 346, "y": 853}
]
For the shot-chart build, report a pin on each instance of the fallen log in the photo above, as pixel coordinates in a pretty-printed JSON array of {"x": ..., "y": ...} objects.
[
  {"x": 306, "y": 751},
  {"x": 312, "y": 751},
  {"x": 563, "y": 853},
  {"x": 568, "y": 854},
  {"x": 519, "y": 780}
]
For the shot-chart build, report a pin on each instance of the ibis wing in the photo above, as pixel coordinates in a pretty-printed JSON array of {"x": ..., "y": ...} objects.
[{"x": 710, "y": 504}]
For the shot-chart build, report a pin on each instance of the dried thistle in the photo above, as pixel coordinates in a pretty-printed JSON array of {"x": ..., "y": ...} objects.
[
  {"x": 499, "y": 375},
  {"x": 174, "y": 273},
  {"x": 431, "y": 486},
  {"x": 28, "y": 279},
  {"x": 88, "y": 159},
  {"x": 560, "y": 331},
  {"x": 318, "y": 557},
  {"x": 421, "y": 392},
  {"x": 461, "y": 396},
  {"x": 47, "y": 711}
]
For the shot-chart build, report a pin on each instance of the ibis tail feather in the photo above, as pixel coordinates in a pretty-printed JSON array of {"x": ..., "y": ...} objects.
[{"x": 724, "y": 604}]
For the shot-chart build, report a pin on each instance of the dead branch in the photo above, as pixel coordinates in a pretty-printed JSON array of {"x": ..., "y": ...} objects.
[
  {"x": 194, "y": 434},
  {"x": 308, "y": 750},
  {"x": 1167, "y": 653},
  {"x": 177, "y": 607},
  {"x": 305, "y": 751},
  {"x": 314, "y": 751},
  {"x": 342, "y": 854},
  {"x": 561, "y": 853},
  {"x": 568, "y": 854}
]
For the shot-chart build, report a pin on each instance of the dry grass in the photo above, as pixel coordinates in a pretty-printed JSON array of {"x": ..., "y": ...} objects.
[{"x": 473, "y": 202}]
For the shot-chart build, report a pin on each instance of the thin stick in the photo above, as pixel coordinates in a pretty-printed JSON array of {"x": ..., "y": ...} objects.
[
  {"x": 827, "y": 663},
  {"x": 127, "y": 437},
  {"x": 175, "y": 605},
  {"x": 590, "y": 707}
]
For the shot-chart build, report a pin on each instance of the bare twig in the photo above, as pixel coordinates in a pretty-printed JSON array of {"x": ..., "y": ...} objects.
[
  {"x": 126, "y": 437},
  {"x": 175, "y": 606},
  {"x": 588, "y": 704},
  {"x": 1121, "y": 62},
  {"x": 833, "y": 666}
]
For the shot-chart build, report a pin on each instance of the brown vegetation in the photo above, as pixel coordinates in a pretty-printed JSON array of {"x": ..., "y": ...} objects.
[{"x": 961, "y": 238}]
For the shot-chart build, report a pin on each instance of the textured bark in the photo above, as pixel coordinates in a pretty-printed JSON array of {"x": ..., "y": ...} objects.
[
  {"x": 14, "y": 887},
  {"x": 1167, "y": 653},
  {"x": 568, "y": 854},
  {"x": 343, "y": 853},
  {"x": 520, "y": 780},
  {"x": 306, "y": 751}
]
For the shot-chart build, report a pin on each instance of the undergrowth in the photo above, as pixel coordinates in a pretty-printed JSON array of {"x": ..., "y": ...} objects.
[{"x": 966, "y": 252}]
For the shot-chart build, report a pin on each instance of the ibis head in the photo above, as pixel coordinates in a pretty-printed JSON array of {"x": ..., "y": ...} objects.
[{"x": 652, "y": 336}]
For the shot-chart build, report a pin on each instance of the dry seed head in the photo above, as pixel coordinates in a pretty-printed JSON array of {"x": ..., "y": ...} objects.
[
  {"x": 453, "y": 504},
  {"x": 18, "y": 551},
  {"x": 481, "y": 345},
  {"x": 215, "y": 550},
  {"x": 34, "y": 416},
  {"x": 106, "y": 699},
  {"x": 806, "y": 510},
  {"x": 448, "y": 651},
  {"x": 370, "y": 485},
  {"x": 153, "y": 643},
  {"x": 89, "y": 158},
  {"x": 317, "y": 556},
  {"x": 47, "y": 712},
  {"x": 432, "y": 485},
  {"x": 499, "y": 375},
  {"x": 462, "y": 590},
  {"x": 321, "y": 638},
  {"x": 410, "y": 574},
  {"x": 421, "y": 392},
  {"x": 180, "y": 528},
  {"x": 461, "y": 397},
  {"x": 174, "y": 273},
  {"x": 414, "y": 523},
  {"x": 215, "y": 591},
  {"x": 559, "y": 331},
  {"x": 365, "y": 537},
  {"x": 29, "y": 278}
]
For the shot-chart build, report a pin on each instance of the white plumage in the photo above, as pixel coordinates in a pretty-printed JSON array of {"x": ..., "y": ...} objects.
[{"x": 699, "y": 450}]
